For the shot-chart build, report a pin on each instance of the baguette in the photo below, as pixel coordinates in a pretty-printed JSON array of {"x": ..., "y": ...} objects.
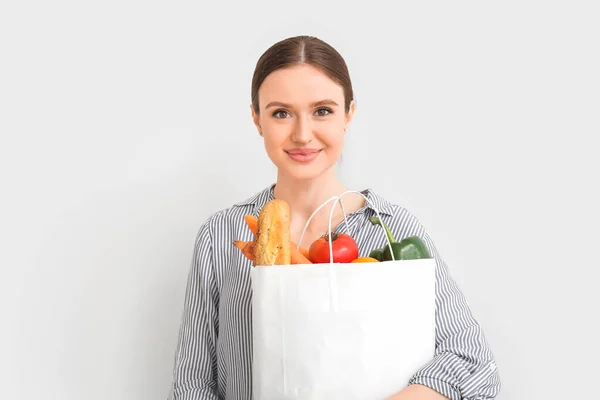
[
  {"x": 252, "y": 223},
  {"x": 247, "y": 248},
  {"x": 273, "y": 238}
]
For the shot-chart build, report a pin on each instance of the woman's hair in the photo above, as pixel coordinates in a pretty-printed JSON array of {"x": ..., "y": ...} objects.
[{"x": 302, "y": 50}]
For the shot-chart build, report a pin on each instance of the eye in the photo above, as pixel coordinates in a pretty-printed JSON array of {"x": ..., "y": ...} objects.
[
  {"x": 322, "y": 112},
  {"x": 278, "y": 113}
]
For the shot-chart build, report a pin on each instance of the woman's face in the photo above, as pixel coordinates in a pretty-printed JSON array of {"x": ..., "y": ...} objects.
[{"x": 302, "y": 121}]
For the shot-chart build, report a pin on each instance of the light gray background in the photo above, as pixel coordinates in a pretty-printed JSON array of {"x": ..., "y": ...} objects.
[{"x": 481, "y": 116}]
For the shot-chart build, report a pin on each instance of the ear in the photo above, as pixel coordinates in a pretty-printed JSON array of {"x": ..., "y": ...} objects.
[
  {"x": 256, "y": 119},
  {"x": 350, "y": 114}
]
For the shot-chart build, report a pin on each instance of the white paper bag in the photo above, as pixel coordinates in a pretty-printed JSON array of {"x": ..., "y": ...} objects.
[{"x": 341, "y": 331}]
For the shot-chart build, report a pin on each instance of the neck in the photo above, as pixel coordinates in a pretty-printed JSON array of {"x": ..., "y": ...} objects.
[{"x": 304, "y": 197}]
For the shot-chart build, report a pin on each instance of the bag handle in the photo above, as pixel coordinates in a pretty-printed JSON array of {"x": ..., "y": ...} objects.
[{"x": 339, "y": 200}]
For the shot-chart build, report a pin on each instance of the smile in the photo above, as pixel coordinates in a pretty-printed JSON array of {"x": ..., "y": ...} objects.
[{"x": 303, "y": 155}]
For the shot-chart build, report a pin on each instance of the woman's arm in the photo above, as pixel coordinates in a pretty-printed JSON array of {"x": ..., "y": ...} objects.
[
  {"x": 463, "y": 366},
  {"x": 418, "y": 392},
  {"x": 195, "y": 370}
]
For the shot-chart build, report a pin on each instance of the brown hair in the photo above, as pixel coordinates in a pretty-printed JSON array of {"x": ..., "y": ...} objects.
[{"x": 303, "y": 50}]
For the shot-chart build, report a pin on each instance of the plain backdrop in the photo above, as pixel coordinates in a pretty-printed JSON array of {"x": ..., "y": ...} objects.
[{"x": 125, "y": 124}]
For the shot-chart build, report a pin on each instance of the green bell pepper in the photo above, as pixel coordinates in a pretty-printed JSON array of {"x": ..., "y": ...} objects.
[
  {"x": 377, "y": 254},
  {"x": 409, "y": 248}
]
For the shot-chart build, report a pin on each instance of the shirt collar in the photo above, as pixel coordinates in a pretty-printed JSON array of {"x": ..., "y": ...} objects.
[{"x": 374, "y": 201}]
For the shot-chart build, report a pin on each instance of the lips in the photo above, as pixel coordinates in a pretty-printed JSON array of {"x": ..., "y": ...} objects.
[
  {"x": 303, "y": 155},
  {"x": 303, "y": 152}
]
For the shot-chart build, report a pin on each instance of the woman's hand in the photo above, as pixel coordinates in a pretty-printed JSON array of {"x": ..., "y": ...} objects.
[{"x": 417, "y": 392}]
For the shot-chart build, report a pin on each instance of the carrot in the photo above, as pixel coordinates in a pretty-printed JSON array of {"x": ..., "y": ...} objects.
[
  {"x": 252, "y": 222},
  {"x": 247, "y": 248},
  {"x": 302, "y": 250},
  {"x": 298, "y": 258}
]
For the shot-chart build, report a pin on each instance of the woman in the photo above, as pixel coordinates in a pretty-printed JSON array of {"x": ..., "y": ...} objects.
[{"x": 302, "y": 104}]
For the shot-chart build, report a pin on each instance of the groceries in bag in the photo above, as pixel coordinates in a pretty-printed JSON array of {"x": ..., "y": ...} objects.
[
  {"x": 272, "y": 243},
  {"x": 338, "y": 330}
]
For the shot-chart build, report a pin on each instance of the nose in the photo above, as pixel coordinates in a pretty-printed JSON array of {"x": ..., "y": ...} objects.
[{"x": 302, "y": 133}]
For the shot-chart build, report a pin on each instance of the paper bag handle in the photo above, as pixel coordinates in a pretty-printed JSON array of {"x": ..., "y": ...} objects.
[{"x": 339, "y": 199}]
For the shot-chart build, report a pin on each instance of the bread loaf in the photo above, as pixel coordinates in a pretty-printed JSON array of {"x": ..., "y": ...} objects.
[{"x": 273, "y": 238}]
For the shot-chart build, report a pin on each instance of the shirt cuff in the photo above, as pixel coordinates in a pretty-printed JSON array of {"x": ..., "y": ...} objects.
[
  {"x": 438, "y": 385},
  {"x": 454, "y": 377}
]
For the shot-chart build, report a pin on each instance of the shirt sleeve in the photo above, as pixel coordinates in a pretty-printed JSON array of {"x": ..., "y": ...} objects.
[
  {"x": 195, "y": 369},
  {"x": 463, "y": 366}
]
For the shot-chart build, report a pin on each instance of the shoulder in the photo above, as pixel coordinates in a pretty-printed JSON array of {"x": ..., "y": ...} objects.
[
  {"x": 401, "y": 221},
  {"x": 228, "y": 223}
]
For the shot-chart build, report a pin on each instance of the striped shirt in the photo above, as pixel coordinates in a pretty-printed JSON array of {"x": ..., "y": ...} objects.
[{"x": 213, "y": 359}]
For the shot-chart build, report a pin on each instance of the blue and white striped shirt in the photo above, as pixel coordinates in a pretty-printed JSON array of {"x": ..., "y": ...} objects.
[{"x": 213, "y": 359}]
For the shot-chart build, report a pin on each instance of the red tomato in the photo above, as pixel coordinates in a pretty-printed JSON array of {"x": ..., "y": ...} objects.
[{"x": 345, "y": 249}]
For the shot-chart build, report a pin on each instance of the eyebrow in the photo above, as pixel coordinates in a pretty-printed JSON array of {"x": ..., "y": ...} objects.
[{"x": 326, "y": 102}]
